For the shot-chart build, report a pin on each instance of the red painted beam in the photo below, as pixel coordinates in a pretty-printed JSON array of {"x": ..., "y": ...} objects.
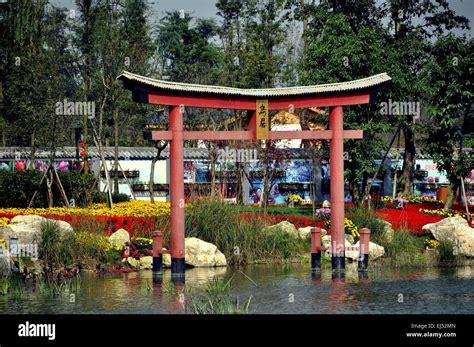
[
  {"x": 219, "y": 135},
  {"x": 250, "y": 135},
  {"x": 237, "y": 103}
]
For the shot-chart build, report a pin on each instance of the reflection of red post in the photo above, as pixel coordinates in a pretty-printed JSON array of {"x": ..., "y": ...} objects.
[
  {"x": 364, "y": 249},
  {"x": 177, "y": 190},
  {"x": 157, "y": 250},
  {"x": 316, "y": 249},
  {"x": 336, "y": 163}
]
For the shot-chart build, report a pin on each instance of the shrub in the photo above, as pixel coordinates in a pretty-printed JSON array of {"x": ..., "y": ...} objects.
[
  {"x": 101, "y": 197},
  {"x": 405, "y": 249},
  {"x": 56, "y": 251},
  {"x": 365, "y": 218},
  {"x": 446, "y": 254},
  {"x": 17, "y": 188},
  {"x": 77, "y": 186},
  {"x": 242, "y": 240}
]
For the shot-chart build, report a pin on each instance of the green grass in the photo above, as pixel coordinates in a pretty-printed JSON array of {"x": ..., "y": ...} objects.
[
  {"x": 217, "y": 299},
  {"x": 406, "y": 250},
  {"x": 242, "y": 241}
]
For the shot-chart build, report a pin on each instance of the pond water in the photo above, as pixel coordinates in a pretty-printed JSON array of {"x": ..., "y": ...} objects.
[{"x": 274, "y": 289}]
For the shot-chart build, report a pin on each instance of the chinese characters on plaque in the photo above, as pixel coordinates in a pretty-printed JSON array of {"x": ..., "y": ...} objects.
[{"x": 262, "y": 119}]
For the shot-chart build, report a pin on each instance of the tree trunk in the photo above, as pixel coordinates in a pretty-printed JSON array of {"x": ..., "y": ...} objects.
[
  {"x": 31, "y": 165},
  {"x": 152, "y": 177},
  {"x": 116, "y": 143},
  {"x": 453, "y": 187},
  {"x": 213, "y": 155},
  {"x": 408, "y": 162}
]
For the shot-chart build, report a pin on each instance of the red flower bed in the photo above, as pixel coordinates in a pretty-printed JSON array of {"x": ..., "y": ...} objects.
[{"x": 408, "y": 218}]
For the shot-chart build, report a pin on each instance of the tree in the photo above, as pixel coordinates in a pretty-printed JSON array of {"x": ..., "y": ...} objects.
[
  {"x": 412, "y": 23},
  {"x": 451, "y": 75},
  {"x": 335, "y": 54}
]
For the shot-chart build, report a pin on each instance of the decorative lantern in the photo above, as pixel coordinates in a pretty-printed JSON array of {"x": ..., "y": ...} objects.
[
  {"x": 63, "y": 166},
  {"x": 20, "y": 165}
]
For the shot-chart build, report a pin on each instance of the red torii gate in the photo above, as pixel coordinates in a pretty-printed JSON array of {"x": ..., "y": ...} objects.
[{"x": 260, "y": 101}]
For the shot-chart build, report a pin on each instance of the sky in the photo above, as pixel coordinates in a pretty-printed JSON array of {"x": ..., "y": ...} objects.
[{"x": 207, "y": 9}]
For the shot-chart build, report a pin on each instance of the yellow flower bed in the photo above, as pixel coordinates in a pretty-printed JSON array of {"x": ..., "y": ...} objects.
[
  {"x": 132, "y": 208},
  {"x": 442, "y": 213}
]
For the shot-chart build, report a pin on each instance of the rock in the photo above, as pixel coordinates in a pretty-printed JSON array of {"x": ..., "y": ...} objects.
[
  {"x": 35, "y": 222},
  {"x": 305, "y": 233},
  {"x": 134, "y": 263},
  {"x": 166, "y": 260},
  {"x": 455, "y": 230},
  {"x": 146, "y": 263},
  {"x": 201, "y": 253},
  {"x": 284, "y": 226},
  {"x": 326, "y": 242},
  {"x": 220, "y": 259},
  {"x": 26, "y": 233},
  {"x": 26, "y": 219},
  {"x": 349, "y": 238},
  {"x": 119, "y": 238},
  {"x": 375, "y": 250},
  {"x": 388, "y": 236},
  {"x": 27, "y": 229}
]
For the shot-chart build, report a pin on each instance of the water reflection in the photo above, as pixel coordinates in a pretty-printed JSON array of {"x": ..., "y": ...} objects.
[{"x": 434, "y": 290}]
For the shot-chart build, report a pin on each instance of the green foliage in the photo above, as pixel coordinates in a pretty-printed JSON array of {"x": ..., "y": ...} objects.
[
  {"x": 451, "y": 102},
  {"x": 56, "y": 250},
  {"x": 365, "y": 218},
  {"x": 101, "y": 197},
  {"x": 217, "y": 299},
  {"x": 77, "y": 186},
  {"x": 446, "y": 254},
  {"x": 405, "y": 249},
  {"x": 17, "y": 188},
  {"x": 242, "y": 241}
]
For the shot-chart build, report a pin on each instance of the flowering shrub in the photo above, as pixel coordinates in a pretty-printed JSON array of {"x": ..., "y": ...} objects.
[
  {"x": 295, "y": 198},
  {"x": 4, "y": 221},
  {"x": 413, "y": 199},
  {"x": 443, "y": 213},
  {"x": 143, "y": 245},
  {"x": 349, "y": 227},
  {"x": 433, "y": 244},
  {"x": 322, "y": 213}
]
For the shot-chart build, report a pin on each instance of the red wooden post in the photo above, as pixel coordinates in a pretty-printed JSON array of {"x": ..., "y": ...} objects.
[
  {"x": 316, "y": 249},
  {"x": 363, "y": 263},
  {"x": 157, "y": 251},
  {"x": 336, "y": 165},
  {"x": 177, "y": 190}
]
